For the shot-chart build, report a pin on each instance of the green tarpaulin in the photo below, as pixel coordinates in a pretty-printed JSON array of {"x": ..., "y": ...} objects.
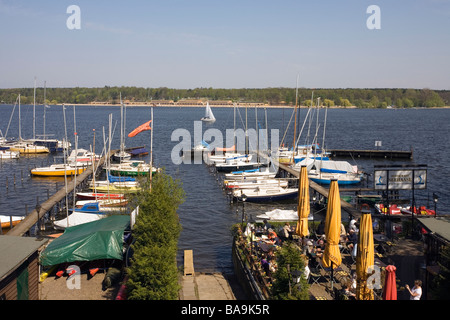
[{"x": 101, "y": 239}]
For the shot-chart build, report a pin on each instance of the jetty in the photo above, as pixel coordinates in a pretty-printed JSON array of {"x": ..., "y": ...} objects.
[
  {"x": 372, "y": 154},
  {"x": 347, "y": 207}
]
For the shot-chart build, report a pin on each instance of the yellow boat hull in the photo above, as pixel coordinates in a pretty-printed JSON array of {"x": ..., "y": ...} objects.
[
  {"x": 58, "y": 173},
  {"x": 30, "y": 150}
]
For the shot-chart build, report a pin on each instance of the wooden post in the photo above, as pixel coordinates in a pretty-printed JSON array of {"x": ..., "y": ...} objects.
[{"x": 188, "y": 262}]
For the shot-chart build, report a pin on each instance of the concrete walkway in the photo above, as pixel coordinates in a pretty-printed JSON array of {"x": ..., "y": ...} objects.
[{"x": 206, "y": 286}]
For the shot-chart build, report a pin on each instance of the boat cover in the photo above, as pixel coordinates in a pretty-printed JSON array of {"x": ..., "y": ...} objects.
[
  {"x": 279, "y": 215},
  {"x": 77, "y": 218},
  {"x": 102, "y": 239}
]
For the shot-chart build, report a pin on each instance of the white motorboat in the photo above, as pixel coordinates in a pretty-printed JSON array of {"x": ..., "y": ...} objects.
[
  {"x": 7, "y": 154},
  {"x": 269, "y": 194}
]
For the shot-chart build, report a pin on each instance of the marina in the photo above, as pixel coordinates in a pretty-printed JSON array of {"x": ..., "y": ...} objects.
[{"x": 200, "y": 182}]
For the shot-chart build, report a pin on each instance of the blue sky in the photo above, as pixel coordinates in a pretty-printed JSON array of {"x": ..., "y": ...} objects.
[{"x": 226, "y": 44}]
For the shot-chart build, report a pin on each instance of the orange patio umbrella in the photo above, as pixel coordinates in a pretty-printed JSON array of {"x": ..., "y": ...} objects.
[
  {"x": 390, "y": 287},
  {"x": 364, "y": 257},
  {"x": 303, "y": 204},
  {"x": 331, "y": 257}
]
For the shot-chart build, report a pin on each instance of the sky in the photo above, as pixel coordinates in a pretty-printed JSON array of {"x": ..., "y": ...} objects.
[{"x": 226, "y": 44}]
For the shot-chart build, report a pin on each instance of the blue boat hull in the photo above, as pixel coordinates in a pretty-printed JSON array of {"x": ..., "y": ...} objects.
[{"x": 340, "y": 182}]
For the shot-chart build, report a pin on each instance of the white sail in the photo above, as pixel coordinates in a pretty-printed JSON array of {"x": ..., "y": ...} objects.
[{"x": 209, "y": 116}]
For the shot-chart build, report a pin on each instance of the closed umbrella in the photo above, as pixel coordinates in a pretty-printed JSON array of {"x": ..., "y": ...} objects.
[
  {"x": 364, "y": 257},
  {"x": 390, "y": 287},
  {"x": 303, "y": 204},
  {"x": 331, "y": 257}
]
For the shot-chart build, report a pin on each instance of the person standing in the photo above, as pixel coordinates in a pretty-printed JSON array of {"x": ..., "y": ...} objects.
[{"x": 416, "y": 291}]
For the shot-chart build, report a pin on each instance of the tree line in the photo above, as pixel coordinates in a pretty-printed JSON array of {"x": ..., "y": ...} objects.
[{"x": 361, "y": 98}]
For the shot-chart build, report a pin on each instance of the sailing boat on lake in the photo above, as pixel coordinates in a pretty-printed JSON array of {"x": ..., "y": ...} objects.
[{"x": 209, "y": 116}]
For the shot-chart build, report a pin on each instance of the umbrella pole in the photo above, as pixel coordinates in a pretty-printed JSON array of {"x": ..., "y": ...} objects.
[{"x": 332, "y": 276}]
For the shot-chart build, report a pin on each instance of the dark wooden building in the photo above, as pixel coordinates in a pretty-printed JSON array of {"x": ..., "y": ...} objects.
[
  {"x": 436, "y": 235},
  {"x": 19, "y": 267}
]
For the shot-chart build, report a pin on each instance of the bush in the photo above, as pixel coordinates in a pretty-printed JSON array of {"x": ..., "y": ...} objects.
[
  {"x": 153, "y": 274},
  {"x": 289, "y": 255}
]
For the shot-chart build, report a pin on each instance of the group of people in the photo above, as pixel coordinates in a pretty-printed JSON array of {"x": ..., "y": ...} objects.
[{"x": 313, "y": 250}]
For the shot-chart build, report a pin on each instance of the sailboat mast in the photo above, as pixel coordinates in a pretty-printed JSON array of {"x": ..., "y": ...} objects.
[
  {"x": 151, "y": 149},
  {"x": 34, "y": 109},
  {"x": 295, "y": 118},
  {"x": 65, "y": 165},
  {"x": 257, "y": 134},
  {"x": 45, "y": 83},
  {"x": 20, "y": 123}
]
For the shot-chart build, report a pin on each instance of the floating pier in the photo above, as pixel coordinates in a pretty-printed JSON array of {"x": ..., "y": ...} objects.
[
  {"x": 372, "y": 154},
  {"x": 347, "y": 207}
]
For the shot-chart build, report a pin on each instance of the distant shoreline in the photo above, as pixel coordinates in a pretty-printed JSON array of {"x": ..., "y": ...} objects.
[{"x": 243, "y": 105}]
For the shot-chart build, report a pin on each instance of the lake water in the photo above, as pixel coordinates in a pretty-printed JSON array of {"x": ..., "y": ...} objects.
[{"x": 207, "y": 214}]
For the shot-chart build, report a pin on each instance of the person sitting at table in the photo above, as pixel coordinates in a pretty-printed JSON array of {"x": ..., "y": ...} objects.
[
  {"x": 353, "y": 225},
  {"x": 267, "y": 225},
  {"x": 320, "y": 228},
  {"x": 352, "y": 239},
  {"x": 319, "y": 247},
  {"x": 348, "y": 290},
  {"x": 286, "y": 232},
  {"x": 265, "y": 264},
  {"x": 272, "y": 266},
  {"x": 274, "y": 237}
]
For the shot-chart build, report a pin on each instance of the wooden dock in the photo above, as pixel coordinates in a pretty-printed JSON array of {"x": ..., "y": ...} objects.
[
  {"x": 372, "y": 154},
  {"x": 347, "y": 207}
]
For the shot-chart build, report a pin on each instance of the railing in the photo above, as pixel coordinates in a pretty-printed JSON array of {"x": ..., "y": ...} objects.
[{"x": 243, "y": 249}]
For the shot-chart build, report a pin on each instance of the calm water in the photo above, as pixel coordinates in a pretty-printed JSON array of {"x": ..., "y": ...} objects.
[{"x": 207, "y": 215}]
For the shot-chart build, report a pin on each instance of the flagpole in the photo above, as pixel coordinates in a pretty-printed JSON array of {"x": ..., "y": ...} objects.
[{"x": 151, "y": 150}]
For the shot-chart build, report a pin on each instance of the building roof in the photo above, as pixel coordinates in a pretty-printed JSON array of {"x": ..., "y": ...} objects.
[
  {"x": 14, "y": 250},
  {"x": 439, "y": 226}
]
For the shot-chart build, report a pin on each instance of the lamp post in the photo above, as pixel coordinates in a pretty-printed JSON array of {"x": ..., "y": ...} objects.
[
  {"x": 243, "y": 199},
  {"x": 295, "y": 276},
  {"x": 38, "y": 209},
  {"x": 435, "y": 199}
]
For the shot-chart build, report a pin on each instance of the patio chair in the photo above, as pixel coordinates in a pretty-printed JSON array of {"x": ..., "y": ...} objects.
[{"x": 314, "y": 276}]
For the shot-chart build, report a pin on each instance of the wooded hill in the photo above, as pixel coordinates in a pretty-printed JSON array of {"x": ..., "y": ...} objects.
[{"x": 362, "y": 98}]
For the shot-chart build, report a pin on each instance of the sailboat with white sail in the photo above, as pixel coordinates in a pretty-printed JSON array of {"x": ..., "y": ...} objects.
[{"x": 209, "y": 116}]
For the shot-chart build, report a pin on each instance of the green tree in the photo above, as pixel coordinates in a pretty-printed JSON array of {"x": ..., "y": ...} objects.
[
  {"x": 328, "y": 102},
  {"x": 289, "y": 259},
  {"x": 153, "y": 274}
]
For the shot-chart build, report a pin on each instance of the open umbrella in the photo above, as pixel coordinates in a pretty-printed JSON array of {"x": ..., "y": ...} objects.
[
  {"x": 390, "y": 287},
  {"x": 331, "y": 257},
  {"x": 364, "y": 257},
  {"x": 303, "y": 204}
]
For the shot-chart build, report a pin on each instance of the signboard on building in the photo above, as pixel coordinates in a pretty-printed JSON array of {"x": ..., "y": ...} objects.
[{"x": 403, "y": 179}]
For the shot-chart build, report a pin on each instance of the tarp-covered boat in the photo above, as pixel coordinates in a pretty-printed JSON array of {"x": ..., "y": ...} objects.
[{"x": 102, "y": 239}]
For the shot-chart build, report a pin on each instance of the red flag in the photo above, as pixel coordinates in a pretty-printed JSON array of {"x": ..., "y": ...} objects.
[{"x": 142, "y": 127}]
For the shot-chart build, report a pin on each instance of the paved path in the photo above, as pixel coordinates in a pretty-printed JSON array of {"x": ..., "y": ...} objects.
[{"x": 206, "y": 286}]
